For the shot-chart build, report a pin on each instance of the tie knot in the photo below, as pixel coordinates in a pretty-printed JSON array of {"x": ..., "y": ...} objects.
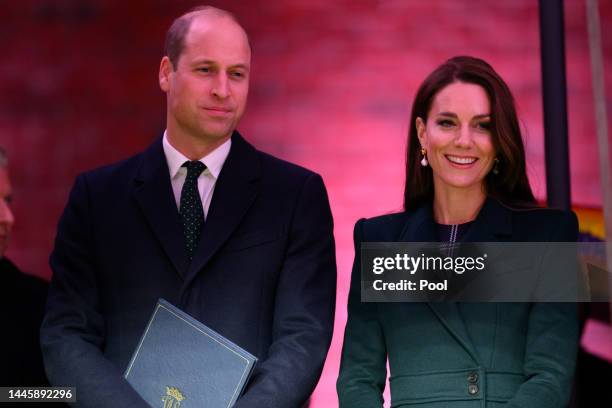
[{"x": 194, "y": 168}]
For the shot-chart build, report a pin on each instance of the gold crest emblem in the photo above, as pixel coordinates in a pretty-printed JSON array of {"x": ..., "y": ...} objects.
[{"x": 173, "y": 398}]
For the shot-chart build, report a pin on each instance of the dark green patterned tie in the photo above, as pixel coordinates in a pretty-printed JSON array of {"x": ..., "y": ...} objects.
[{"x": 191, "y": 210}]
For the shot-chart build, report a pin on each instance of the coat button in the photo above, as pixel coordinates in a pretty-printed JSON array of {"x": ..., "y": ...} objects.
[
  {"x": 472, "y": 377},
  {"x": 472, "y": 389}
]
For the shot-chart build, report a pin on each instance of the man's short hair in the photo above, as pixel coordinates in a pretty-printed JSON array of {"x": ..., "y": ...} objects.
[
  {"x": 3, "y": 158},
  {"x": 175, "y": 37}
]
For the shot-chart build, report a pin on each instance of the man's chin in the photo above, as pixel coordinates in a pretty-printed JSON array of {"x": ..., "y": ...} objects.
[{"x": 218, "y": 135}]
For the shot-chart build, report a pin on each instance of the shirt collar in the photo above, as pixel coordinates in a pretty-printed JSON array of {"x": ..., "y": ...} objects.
[{"x": 214, "y": 160}]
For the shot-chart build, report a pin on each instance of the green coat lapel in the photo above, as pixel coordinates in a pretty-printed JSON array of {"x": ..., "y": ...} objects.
[{"x": 493, "y": 221}]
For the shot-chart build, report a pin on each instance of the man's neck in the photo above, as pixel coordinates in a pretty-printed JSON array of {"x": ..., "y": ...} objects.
[{"x": 194, "y": 148}]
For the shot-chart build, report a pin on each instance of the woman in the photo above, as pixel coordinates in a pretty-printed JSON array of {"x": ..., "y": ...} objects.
[{"x": 465, "y": 181}]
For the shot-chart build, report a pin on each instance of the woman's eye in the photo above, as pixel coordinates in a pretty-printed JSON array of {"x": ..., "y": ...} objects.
[
  {"x": 445, "y": 123},
  {"x": 484, "y": 125}
]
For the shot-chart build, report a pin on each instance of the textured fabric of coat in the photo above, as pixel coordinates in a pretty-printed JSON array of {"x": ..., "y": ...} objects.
[
  {"x": 517, "y": 354},
  {"x": 263, "y": 274}
]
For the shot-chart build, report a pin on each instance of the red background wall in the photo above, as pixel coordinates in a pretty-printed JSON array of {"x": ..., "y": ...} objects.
[{"x": 331, "y": 89}]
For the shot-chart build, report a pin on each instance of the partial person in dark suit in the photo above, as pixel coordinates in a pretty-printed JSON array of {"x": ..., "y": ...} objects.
[
  {"x": 238, "y": 239},
  {"x": 465, "y": 181},
  {"x": 22, "y": 304}
]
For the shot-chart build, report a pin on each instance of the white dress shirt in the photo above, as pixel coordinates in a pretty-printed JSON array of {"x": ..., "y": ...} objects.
[{"x": 206, "y": 182}]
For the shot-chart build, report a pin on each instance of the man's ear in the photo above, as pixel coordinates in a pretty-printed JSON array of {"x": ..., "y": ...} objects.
[
  {"x": 165, "y": 70},
  {"x": 420, "y": 127}
]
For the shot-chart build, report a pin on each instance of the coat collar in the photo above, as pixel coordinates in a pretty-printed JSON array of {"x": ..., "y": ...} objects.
[
  {"x": 235, "y": 191},
  {"x": 153, "y": 194},
  {"x": 493, "y": 223}
]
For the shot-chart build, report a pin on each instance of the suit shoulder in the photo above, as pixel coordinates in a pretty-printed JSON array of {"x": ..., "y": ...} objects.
[
  {"x": 282, "y": 169},
  {"x": 560, "y": 225},
  {"x": 540, "y": 215},
  {"x": 111, "y": 178},
  {"x": 382, "y": 228},
  {"x": 122, "y": 168}
]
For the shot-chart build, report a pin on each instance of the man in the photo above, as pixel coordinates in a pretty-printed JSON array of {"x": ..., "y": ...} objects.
[
  {"x": 22, "y": 305},
  {"x": 238, "y": 239}
]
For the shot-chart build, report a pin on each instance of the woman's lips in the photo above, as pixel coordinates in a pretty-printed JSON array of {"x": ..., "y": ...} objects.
[{"x": 461, "y": 161}]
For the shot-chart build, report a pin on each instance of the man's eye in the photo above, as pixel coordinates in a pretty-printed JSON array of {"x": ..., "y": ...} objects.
[
  {"x": 237, "y": 74},
  {"x": 204, "y": 69}
]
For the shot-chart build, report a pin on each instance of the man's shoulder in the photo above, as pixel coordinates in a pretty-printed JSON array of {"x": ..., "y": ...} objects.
[
  {"x": 248, "y": 161},
  {"x": 119, "y": 169},
  {"x": 281, "y": 169},
  {"x": 121, "y": 174},
  {"x": 273, "y": 169}
]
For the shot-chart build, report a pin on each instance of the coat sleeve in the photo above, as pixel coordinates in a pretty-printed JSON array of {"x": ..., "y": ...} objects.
[
  {"x": 552, "y": 343},
  {"x": 72, "y": 333},
  {"x": 304, "y": 308},
  {"x": 364, "y": 356}
]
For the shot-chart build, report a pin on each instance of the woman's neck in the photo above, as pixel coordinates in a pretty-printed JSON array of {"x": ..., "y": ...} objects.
[{"x": 457, "y": 205}]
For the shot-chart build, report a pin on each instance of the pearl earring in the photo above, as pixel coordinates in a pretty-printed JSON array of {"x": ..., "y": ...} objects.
[{"x": 424, "y": 162}]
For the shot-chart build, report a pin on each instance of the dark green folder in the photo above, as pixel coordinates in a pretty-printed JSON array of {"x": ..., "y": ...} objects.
[{"x": 180, "y": 362}]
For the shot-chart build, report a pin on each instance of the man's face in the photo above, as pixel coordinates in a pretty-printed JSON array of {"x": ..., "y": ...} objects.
[
  {"x": 207, "y": 90},
  {"x": 6, "y": 215}
]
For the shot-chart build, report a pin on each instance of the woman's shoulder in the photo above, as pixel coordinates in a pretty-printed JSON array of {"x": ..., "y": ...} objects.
[
  {"x": 541, "y": 215},
  {"x": 381, "y": 228},
  {"x": 547, "y": 224}
]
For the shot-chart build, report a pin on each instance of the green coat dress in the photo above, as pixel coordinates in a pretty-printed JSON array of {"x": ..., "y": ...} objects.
[{"x": 465, "y": 355}]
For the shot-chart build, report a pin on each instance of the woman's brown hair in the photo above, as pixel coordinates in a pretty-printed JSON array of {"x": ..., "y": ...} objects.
[{"x": 510, "y": 185}]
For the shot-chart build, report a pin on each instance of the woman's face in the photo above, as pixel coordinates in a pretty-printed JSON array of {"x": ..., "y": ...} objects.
[{"x": 457, "y": 136}]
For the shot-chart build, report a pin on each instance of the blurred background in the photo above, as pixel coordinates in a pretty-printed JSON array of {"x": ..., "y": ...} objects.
[{"x": 332, "y": 85}]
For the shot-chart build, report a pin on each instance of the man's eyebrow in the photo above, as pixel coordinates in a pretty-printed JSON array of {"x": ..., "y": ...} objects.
[
  {"x": 212, "y": 62},
  {"x": 241, "y": 66},
  {"x": 203, "y": 61}
]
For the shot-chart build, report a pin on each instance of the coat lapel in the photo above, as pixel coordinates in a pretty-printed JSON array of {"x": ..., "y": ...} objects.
[
  {"x": 492, "y": 221},
  {"x": 153, "y": 193},
  {"x": 234, "y": 193}
]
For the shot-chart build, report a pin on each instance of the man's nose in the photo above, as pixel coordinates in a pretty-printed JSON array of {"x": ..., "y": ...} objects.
[{"x": 221, "y": 86}]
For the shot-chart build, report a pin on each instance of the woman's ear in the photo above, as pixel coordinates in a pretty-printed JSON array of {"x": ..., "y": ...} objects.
[{"x": 420, "y": 127}]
